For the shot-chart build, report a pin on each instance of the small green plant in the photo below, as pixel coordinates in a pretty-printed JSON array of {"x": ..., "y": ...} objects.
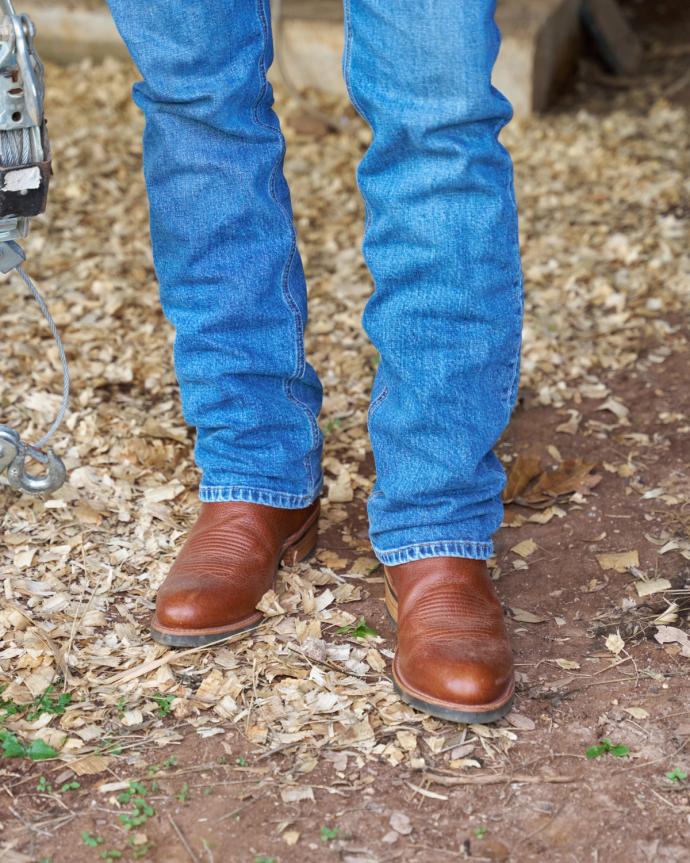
[
  {"x": 361, "y": 629},
  {"x": 140, "y": 814},
  {"x": 241, "y": 761},
  {"x": 262, "y": 859},
  {"x": 331, "y": 426},
  {"x": 69, "y": 786},
  {"x": 45, "y": 703},
  {"x": 12, "y": 747},
  {"x": 164, "y": 765},
  {"x": 112, "y": 854},
  {"x": 605, "y": 747},
  {"x": 183, "y": 794},
  {"x": 139, "y": 851},
  {"x": 676, "y": 775},
  {"x": 135, "y": 789},
  {"x": 108, "y": 747},
  {"x": 91, "y": 841},
  {"x": 141, "y": 811},
  {"x": 164, "y": 703},
  {"x": 37, "y": 750},
  {"x": 43, "y": 786},
  {"x": 328, "y": 834},
  {"x": 8, "y": 707},
  {"x": 480, "y": 832},
  {"x": 49, "y": 703}
]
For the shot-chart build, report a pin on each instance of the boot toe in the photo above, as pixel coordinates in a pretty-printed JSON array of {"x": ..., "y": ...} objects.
[
  {"x": 471, "y": 682},
  {"x": 188, "y": 606}
]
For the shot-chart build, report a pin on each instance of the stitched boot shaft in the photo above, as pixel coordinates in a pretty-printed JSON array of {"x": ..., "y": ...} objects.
[
  {"x": 229, "y": 560},
  {"x": 453, "y": 649}
]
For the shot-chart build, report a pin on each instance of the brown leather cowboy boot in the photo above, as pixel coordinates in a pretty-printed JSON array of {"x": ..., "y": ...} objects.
[
  {"x": 230, "y": 559},
  {"x": 453, "y": 658}
]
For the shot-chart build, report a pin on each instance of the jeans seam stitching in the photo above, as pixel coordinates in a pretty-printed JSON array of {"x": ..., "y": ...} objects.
[
  {"x": 415, "y": 545},
  {"x": 212, "y": 493},
  {"x": 285, "y": 289},
  {"x": 347, "y": 76},
  {"x": 373, "y": 407}
]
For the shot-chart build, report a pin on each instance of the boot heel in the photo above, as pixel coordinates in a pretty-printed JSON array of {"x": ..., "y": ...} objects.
[
  {"x": 391, "y": 602},
  {"x": 302, "y": 548}
]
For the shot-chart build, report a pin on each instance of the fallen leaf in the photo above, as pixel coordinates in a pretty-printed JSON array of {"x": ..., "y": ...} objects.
[
  {"x": 525, "y": 548},
  {"x": 523, "y": 470},
  {"x": 523, "y": 616},
  {"x": 90, "y": 765},
  {"x": 567, "y": 664},
  {"x": 620, "y": 561},
  {"x": 340, "y": 491},
  {"x": 617, "y": 408},
  {"x": 570, "y": 477},
  {"x": 614, "y": 643},
  {"x": 522, "y": 723},
  {"x": 636, "y": 712},
  {"x": 295, "y": 793},
  {"x": 674, "y": 635},
  {"x": 164, "y": 492},
  {"x": 649, "y": 586}
]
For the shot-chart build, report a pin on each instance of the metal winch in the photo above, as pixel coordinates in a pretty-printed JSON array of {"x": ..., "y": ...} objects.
[{"x": 24, "y": 178}]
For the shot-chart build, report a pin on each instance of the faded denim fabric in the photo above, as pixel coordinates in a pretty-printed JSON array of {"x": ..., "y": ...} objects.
[{"x": 441, "y": 242}]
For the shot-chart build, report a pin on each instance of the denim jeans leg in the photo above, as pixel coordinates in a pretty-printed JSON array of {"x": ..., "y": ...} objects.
[
  {"x": 441, "y": 242},
  {"x": 230, "y": 275}
]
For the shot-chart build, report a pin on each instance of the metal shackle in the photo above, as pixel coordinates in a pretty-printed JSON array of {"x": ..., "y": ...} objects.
[{"x": 22, "y": 481}]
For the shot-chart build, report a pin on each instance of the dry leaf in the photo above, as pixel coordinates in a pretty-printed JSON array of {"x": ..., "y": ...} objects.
[
  {"x": 637, "y": 712},
  {"x": 90, "y": 765},
  {"x": 619, "y": 561},
  {"x": 340, "y": 491},
  {"x": 525, "y": 548},
  {"x": 523, "y": 616},
  {"x": 567, "y": 664},
  {"x": 647, "y": 587},
  {"x": 674, "y": 635},
  {"x": 570, "y": 477},
  {"x": 522, "y": 471},
  {"x": 614, "y": 643},
  {"x": 522, "y": 723},
  {"x": 295, "y": 793}
]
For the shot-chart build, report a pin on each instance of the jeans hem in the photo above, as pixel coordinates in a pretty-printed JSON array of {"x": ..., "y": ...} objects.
[
  {"x": 446, "y": 548},
  {"x": 282, "y": 499}
]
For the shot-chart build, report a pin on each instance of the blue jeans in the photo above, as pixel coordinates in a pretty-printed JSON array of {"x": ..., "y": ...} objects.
[{"x": 441, "y": 243}]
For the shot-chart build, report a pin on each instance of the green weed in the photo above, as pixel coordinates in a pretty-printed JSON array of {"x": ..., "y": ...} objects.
[
  {"x": 361, "y": 629},
  {"x": 605, "y": 747}
]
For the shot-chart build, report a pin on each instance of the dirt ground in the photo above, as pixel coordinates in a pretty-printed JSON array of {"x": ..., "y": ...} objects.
[{"x": 222, "y": 755}]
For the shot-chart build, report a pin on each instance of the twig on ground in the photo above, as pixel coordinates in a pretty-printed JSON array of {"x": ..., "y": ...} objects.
[{"x": 183, "y": 841}]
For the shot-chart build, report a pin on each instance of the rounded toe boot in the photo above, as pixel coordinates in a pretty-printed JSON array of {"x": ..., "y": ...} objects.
[
  {"x": 453, "y": 658},
  {"x": 229, "y": 560}
]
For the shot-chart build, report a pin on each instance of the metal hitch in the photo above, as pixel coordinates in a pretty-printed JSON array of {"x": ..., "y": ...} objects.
[{"x": 13, "y": 459}]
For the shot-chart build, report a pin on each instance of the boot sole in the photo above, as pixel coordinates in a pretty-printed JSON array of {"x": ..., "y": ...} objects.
[
  {"x": 447, "y": 710},
  {"x": 295, "y": 551}
]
